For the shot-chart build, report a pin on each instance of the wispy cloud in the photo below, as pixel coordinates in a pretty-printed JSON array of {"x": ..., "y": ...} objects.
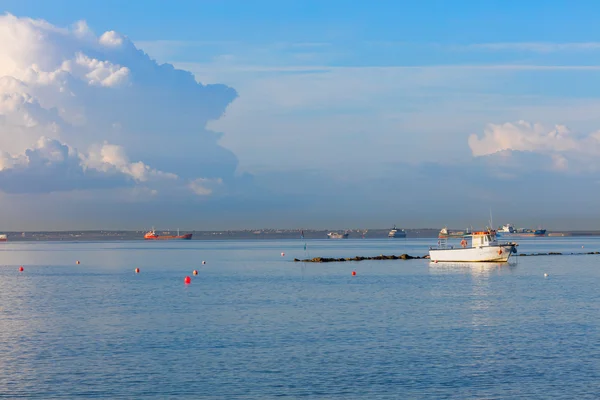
[{"x": 537, "y": 47}]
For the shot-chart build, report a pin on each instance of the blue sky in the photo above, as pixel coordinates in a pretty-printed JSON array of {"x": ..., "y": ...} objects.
[
  {"x": 339, "y": 114},
  {"x": 258, "y": 21}
]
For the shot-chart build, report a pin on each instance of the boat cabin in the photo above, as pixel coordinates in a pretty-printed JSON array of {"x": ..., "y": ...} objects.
[
  {"x": 478, "y": 239},
  {"x": 481, "y": 239}
]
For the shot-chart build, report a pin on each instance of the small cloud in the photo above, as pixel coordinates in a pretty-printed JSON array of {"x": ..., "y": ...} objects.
[
  {"x": 203, "y": 186},
  {"x": 111, "y": 39}
]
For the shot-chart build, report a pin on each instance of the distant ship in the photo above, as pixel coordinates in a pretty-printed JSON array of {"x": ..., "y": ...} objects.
[
  {"x": 509, "y": 230},
  {"x": 152, "y": 235},
  {"x": 397, "y": 233},
  {"x": 445, "y": 233},
  {"x": 336, "y": 235}
]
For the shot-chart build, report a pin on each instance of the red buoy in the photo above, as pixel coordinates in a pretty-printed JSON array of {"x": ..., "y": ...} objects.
[
  {"x": 137, "y": 270},
  {"x": 21, "y": 268},
  {"x": 187, "y": 280},
  {"x": 282, "y": 254},
  {"x": 353, "y": 273},
  {"x": 195, "y": 272}
]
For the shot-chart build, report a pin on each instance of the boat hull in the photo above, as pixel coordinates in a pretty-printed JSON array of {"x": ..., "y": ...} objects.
[
  {"x": 167, "y": 237},
  {"x": 528, "y": 234},
  {"x": 499, "y": 253},
  {"x": 338, "y": 237},
  {"x": 397, "y": 235}
]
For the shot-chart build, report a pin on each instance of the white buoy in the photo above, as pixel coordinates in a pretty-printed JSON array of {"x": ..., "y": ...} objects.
[
  {"x": 545, "y": 275},
  {"x": 282, "y": 254},
  {"x": 203, "y": 262}
]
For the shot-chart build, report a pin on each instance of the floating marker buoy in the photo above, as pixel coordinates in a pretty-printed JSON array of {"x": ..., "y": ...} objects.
[
  {"x": 282, "y": 254},
  {"x": 195, "y": 272},
  {"x": 203, "y": 262},
  {"x": 582, "y": 247},
  {"x": 187, "y": 280},
  {"x": 77, "y": 262},
  {"x": 353, "y": 273},
  {"x": 137, "y": 270},
  {"x": 545, "y": 275},
  {"x": 21, "y": 268}
]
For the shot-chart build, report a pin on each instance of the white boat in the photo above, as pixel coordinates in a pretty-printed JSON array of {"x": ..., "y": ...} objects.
[
  {"x": 3, "y": 238},
  {"x": 484, "y": 248},
  {"x": 397, "y": 233},
  {"x": 336, "y": 235}
]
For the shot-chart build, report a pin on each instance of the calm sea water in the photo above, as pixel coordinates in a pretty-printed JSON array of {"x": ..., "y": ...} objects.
[{"x": 255, "y": 325}]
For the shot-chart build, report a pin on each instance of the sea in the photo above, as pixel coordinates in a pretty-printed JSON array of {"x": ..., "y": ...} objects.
[{"x": 254, "y": 324}]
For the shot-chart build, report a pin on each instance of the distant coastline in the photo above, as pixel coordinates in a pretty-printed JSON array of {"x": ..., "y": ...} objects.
[{"x": 249, "y": 234}]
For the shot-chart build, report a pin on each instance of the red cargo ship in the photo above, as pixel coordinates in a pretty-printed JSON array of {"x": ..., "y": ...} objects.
[{"x": 153, "y": 236}]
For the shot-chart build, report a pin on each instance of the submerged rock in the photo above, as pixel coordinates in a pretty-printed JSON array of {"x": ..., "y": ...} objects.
[{"x": 359, "y": 258}]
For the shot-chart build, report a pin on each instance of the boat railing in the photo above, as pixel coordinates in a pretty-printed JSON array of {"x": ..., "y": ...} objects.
[{"x": 442, "y": 245}]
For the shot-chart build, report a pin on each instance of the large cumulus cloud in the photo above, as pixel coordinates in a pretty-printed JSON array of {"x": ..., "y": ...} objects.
[{"x": 82, "y": 111}]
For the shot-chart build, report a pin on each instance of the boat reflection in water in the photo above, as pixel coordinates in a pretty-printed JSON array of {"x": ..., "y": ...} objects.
[{"x": 472, "y": 268}]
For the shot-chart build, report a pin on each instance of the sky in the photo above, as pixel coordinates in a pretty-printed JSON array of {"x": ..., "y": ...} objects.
[{"x": 223, "y": 114}]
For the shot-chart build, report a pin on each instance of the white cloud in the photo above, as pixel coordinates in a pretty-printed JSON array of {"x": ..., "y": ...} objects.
[
  {"x": 48, "y": 156},
  {"x": 109, "y": 157},
  {"x": 563, "y": 146},
  {"x": 111, "y": 39},
  {"x": 203, "y": 186},
  {"x": 91, "y": 104}
]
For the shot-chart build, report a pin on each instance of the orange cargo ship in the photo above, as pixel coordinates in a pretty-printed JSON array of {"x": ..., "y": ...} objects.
[{"x": 153, "y": 236}]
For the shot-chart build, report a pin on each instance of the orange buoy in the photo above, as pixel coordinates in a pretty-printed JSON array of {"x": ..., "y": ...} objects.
[
  {"x": 187, "y": 280},
  {"x": 21, "y": 269},
  {"x": 353, "y": 273},
  {"x": 77, "y": 262},
  {"x": 195, "y": 272},
  {"x": 137, "y": 270},
  {"x": 203, "y": 262}
]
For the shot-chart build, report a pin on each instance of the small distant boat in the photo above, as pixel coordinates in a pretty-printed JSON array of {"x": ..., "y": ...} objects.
[
  {"x": 509, "y": 230},
  {"x": 3, "y": 238},
  {"x": 484, "y": 248},
  {"x": 397, "y": 233},
  {"x": 336, "y": 235},
  {"x": 152, "y": 235},
  {"x": 445, "y": 234}
]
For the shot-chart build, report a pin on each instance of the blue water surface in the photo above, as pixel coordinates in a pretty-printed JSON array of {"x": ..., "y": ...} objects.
[{"x": 255, "y": 325}]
